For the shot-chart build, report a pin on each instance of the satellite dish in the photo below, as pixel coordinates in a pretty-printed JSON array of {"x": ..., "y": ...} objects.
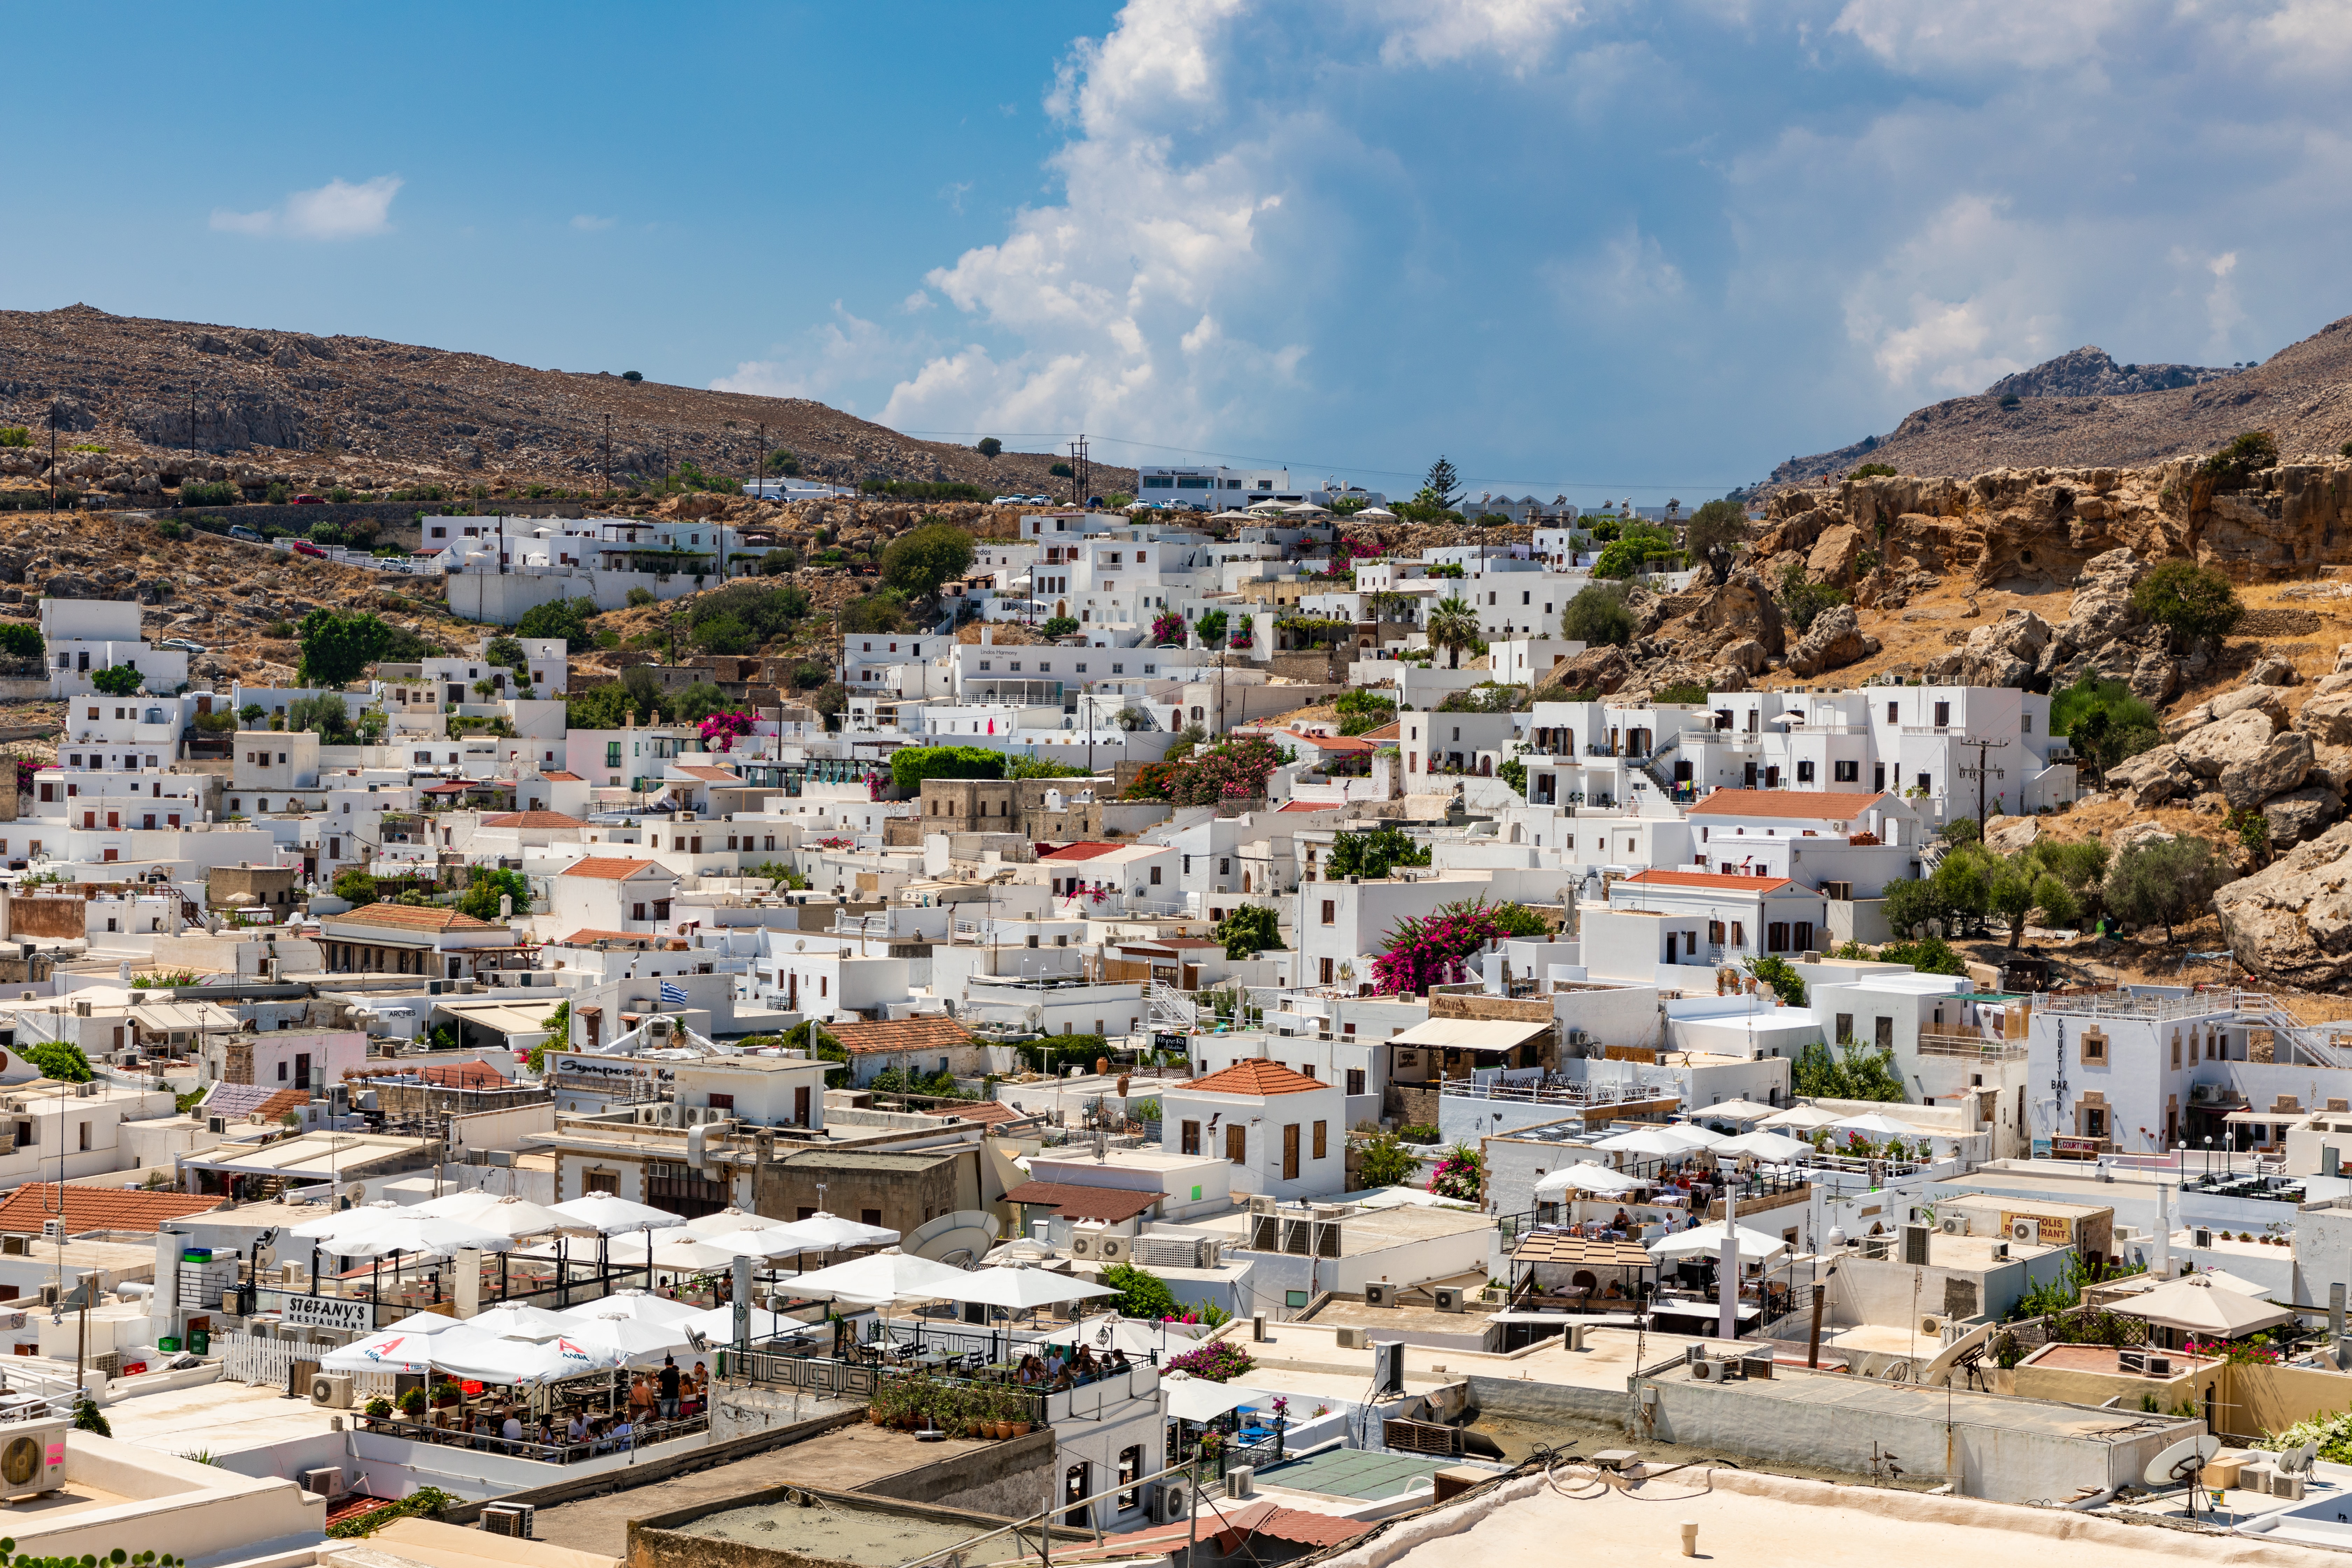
[
  {"x": 2178, "y": 1465},
  {"x": 955, "y": 1238},
  {"x": 356, "y": 1192}
]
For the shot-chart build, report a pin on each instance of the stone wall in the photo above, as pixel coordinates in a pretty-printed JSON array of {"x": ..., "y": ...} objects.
[{"x": 1011, "y": 1478}]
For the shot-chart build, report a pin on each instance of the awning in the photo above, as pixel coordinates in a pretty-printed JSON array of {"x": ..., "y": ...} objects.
[
  {"x": 1586, "y": 1251},
  {"x": 1582, "y": 1319},
  {"x": 1472, "y": 1033},
  {"x": 1198, "y": 1399}
]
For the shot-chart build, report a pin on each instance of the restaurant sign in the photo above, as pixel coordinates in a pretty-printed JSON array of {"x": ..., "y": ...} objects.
[{"x": 330, "y": 1312}]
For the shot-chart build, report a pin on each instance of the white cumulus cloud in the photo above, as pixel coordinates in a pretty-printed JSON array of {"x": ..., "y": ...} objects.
[{"x": 336, "y": 210}]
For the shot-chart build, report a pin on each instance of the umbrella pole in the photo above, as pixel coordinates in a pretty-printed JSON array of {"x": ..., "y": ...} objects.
[{"x": 375, "y": 1293}]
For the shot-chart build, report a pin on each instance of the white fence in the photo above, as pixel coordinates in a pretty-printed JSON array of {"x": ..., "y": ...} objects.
[
  {"x": 268, "y": 1362},
  {"x": 415, "y": 566}
]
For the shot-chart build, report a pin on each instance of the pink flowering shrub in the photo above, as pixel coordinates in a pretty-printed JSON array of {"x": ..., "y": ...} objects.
[
  {"x": 1459, "y": 1174},
  {"x": 1433, "y": 950},
  {"x": 1219, "y": 1361},
  {"x": 1168, "y": 627},
  {"x": 723, "y": 728}
]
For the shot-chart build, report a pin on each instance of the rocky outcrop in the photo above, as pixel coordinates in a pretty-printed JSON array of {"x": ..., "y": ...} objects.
[
  {"x": 2302, "y": 814},
  {"x": 1832, "y": 558},
  {"x": 1605, "y": 670},
  {"x": 2049, "y": 526},
  {"x": 1741, "y": 608},
  {"x": 2152, "y": 777},
  {"x": 2006, "y": 653},
  {"x": 1833, "y": 641},
  {"x": 2291, "y": 920}
]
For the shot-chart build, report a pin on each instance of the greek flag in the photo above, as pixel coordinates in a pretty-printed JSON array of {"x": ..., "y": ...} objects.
[{"x": 673, "y": 995}]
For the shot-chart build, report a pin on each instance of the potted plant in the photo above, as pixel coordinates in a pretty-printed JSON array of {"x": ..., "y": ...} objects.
[
  {"x": 379, "y": 1409},
  {"x": 446, "y": 1395},
  {"x": 411, "y": 1403}
]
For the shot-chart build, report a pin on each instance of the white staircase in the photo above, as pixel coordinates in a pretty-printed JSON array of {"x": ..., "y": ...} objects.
[{"x": 1172, "y": 1012}]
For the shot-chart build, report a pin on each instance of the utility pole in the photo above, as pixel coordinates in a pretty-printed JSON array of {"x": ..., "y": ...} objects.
[
  {"x": 1980, "y": 769},
  {"x": 1081, "y": 471},
  {"x": 53, "y": 478},
  {"x": 605, "y": 493}
]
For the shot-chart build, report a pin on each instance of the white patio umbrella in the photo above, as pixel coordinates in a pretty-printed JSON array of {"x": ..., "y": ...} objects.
[
  {"x": 731, "y": 1219},
  {"x": 1656, "y": 1143},
  {"x": 1736, "y": 1110},
  {"x": 642, "y": 1305},
  {"x": 627, "y": 1340},
  {"x": 1878, "y": 1124},
  {"x": 1699, "y": 1137},
  {"x": 1804, "y": 1117},
  {"x": 1019, "y": 1289},
  {"x": 1198, "y": 1399},
  {"x": 606, "y": 1215},
  {"x": 425, "y": 1322},
  {"x": 419, "y": 1236},
  {"x": 823, "y": 1232},
  {"x": 766, "y": 1244},
  {"x": 392, "y": 1350},
  {"x": 345, "y": 1220},
  {"x": 882, "y": 1276},
  {"x": 519, "y": 1320},
  {"x": 2199, "y": 1306},
  {"x": 1707, "y": 1241},
  {"x": 1585, "y": 1176},
  {"x": 1765, "y": 1146},
  {"x": 1377, "y": 514},
  {"x": 679, "y": 1250},
  {"x": 511, "y": 1217},
  {"x": 520, "y": 1361},
  {"x": 455, "y": 1205}
]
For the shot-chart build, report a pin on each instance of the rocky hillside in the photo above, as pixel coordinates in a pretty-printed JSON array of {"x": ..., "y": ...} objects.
[
  {"x": 2084, "y": 410},
  {"x": 375, "y": 415}
]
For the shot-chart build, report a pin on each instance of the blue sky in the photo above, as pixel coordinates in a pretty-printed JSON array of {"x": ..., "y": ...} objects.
[{"x": 1577, "y": 246}]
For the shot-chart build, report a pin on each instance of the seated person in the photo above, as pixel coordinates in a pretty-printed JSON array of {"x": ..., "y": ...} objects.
[
  {"x": 512, "y": 1427},
  {"x": 1118, "y": 1361},
  {"x": 577, "y": 1430},
  {"x": 623, "y": 1436}
]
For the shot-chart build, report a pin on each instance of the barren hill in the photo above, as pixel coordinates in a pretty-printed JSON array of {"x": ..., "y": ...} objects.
[
  {"x": 2084, "y": 410},
  {"x": 380, "y": 413}
]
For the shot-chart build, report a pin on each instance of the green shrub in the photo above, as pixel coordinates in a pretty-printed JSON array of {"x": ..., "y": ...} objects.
[
  {"x": 988, "y": 446},
  {"x": 925, "y": 489},
  {"x": 117, "y": 680},
  {"x": 1632, "y": 551},
  {"x": 565, "y": 618},
  {"x": 640, "y": 597},
  {"x": 19, "y": 639},
  {"x": 1683, "y": 691},
  {"x": 210, "y": 492},
  {"x": 1383, "y": 1160},
  {"x": 911, "y": 766},
  {"x": 1872, "y": 471},
  {"x": 2010, "y": 400},
  {"x": 1360, "y": 710},
  {"x": 1059, "y": 626},
  {"x": 1801, "y": 601},
  {"x": 1597, "y": 615},
  {"x": 2235, "y": 464},
  {"x": 917, "y": 562},
  {"x": 1141, "y": 1294},
  {"x": 15, "y": 436},
  {"x": 2189, "y": 600}
]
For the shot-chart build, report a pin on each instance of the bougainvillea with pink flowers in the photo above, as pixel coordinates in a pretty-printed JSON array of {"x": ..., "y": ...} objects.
[
  {"x": 724, "y": 728},
  {"x": 1168, "y": 627},
  {"x": 1220, "y": 1360},
  {"x": 1461, "y": 1175},
  {"x": 1435, "y": 949}
]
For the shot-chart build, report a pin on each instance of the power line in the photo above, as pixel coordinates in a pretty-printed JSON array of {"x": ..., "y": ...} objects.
[{"x": 1059, "y": 436}]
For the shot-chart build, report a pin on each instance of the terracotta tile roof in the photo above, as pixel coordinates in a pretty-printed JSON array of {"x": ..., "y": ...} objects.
[
  {"x": 900, "y": 1034},
  {"x": 22, "y": 1212},
  {"x": 278, "y": 1104},
  {"x": 1110, "y": 1205},
  {"x": 1387, "y": 732},
  {"x": 1085, "y": 850},
  {"x": 1306, "y": 1527},
  {"x": 1312, "y": 805},
  {"x": 1253, "y": 1077},
  {"x": 1803, "y": 805},
  {"x": 1334, "y": 742},
  {"x": 588, "y": 938},
  {"x": 610, "y": 868},
  {"x": 713, "y": 776},
  {"x": 561, "y": 777},
  {"x": 413, "y": 917},
  {"x": 531, "y": 819},
  {"x": 1708, "y": 880},
  {"x": 988, "y": 1112}
]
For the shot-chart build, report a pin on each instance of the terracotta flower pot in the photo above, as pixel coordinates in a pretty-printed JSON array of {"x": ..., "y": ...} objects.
[
  {"x": 1005, "y": 1428},
  {"x": 1021, "y": 1429}
]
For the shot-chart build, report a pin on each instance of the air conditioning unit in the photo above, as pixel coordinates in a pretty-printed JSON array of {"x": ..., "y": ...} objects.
[
  {"x": 1383, "y": 1295},
  {"x": 1449, "y": 1298},
  {"x": 2000, "y": 1252},
  {"x": 1953, "y": 1224},
  {"x": 1932, "y": 1325},
  {"x": 2200, "y": 1236},
  {"x": 1082, "y": 1247},
  {"x": 1706, "y": 1370},
  {"x": 298, "y": 1377},
  {"x": 1388, "y": 1367},
  {"x": 1241, "y": 1481},
  {"x": 508, "y": 1518},
  {"x": 2159, "y": 1367},
  {"x": 2134, "y": 1361},
  {"x": 1914, "y": 1245},
  {"x": 332, "y": 1390},
  {"x": 1349, "y": 1339},
  {"x": 53, "y": 1230},
  {"x": 326, "y": 1481},
  {"x": 1171, "y": 1501},
  {"x": 1111, "y": 1249},
  {"x": 32, "y": 1458},
  {"x": 2023, "y": 1230},
  {"x": 1262, "y": 1202}
]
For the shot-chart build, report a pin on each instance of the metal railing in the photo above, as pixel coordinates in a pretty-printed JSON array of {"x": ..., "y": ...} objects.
[
  {"x": 644, "y": 1434},
  {"x": 1568, "y": 1091}
]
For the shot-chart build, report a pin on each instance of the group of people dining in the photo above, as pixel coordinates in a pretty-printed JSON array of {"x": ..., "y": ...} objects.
[{"x": 1058, "y": 1366}]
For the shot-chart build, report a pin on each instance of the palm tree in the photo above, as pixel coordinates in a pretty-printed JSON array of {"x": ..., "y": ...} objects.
[{"x": 1453, "y": 626}]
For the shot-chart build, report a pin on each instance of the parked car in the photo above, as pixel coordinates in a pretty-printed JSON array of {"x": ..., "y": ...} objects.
[
  {"x": 304, "y": 547},
  {"x": 182, "y": 645},
  {"x": 308, "y": 500},
  {"x": 241, "y": 531}
]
